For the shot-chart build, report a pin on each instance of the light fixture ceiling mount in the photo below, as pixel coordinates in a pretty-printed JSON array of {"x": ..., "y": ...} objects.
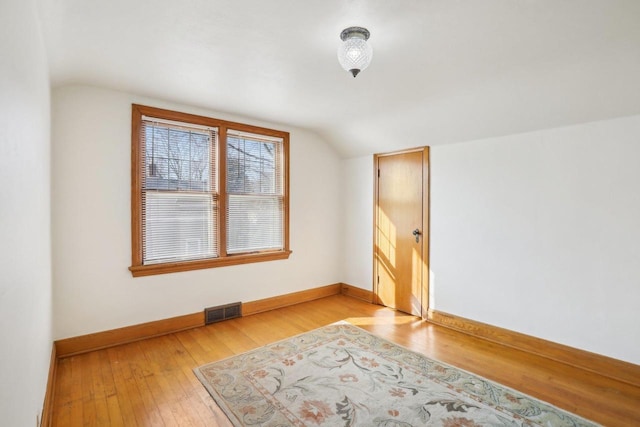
[{"x": 354, "y": 54}]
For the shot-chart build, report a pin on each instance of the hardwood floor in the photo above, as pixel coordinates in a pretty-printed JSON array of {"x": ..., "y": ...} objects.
[{"x": 151, "y": 383}]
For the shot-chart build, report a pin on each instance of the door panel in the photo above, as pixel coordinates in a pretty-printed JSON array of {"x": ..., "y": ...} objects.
[{"x": 399, "y": 258}]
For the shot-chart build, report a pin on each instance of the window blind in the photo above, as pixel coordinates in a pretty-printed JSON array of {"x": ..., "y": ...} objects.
[
  {"x": 255, "y": 193},
  {"x": 179, "y": 191}
]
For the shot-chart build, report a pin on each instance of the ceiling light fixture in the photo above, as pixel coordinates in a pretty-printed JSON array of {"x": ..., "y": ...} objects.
[{"x": 354, "y": 53}]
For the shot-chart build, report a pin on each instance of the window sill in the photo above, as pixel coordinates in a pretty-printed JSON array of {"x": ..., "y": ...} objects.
[{"x": 149, "y": 270}]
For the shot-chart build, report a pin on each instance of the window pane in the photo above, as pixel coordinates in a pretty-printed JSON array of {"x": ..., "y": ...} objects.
[
  {"x": 176, "y": 158},
  {"x": 254, "y": 223},
  {"x": 178, "y": 227},
  {"x": 252, "y": 166}
]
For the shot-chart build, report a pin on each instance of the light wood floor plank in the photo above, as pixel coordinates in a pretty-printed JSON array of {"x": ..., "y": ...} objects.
[
  {"x": 114, "y": 409},
  {"x": 119, "y": 391},
  {"x": 175, "y": 363},
  {"x": 98, "y": 390},
  {"x": 151, "y": 383},
  {"x": 63, "y": 399},
  {"x": 127, "y": 369}
]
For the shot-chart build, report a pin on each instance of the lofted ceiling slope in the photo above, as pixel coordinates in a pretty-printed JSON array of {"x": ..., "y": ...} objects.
[{"x": 443, "y": 71}]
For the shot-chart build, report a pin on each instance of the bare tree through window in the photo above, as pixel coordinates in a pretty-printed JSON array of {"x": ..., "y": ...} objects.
[{"x": 177, "y": 159}]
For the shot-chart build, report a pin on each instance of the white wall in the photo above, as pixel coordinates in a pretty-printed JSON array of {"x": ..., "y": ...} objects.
[
  {"x": 94, "y": 290},
  {"x": 357, "y": 211},
  {"x": 25, "y": 232},
  {"x": 540, "y": 233},
  {"x": 537, "y": 233}
]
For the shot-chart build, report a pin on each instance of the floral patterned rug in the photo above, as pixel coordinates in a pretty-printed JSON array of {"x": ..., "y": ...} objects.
[{"x": 341, "y": 375}]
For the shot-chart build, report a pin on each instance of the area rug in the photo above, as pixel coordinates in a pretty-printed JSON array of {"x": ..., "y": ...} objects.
[{"x": 341, "y": 375}]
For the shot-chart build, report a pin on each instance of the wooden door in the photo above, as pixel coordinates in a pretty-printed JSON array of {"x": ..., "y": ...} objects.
[{"x": 401, "y": 231}]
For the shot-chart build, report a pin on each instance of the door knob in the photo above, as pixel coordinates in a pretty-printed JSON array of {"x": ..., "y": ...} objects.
[{"x": 417, "y": 233}]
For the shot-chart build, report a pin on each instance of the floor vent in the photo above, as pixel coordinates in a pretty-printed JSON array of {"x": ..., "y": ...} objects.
[{"x": 222, "y": 312}]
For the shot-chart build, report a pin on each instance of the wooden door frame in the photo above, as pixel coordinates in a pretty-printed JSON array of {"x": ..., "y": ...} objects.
[{"x": 426, "y": 232}]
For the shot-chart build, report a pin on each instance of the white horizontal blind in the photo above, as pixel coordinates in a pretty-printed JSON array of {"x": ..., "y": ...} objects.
[
  {"x": 179, "y": 200},
  {"x": 255, "y": 190}
]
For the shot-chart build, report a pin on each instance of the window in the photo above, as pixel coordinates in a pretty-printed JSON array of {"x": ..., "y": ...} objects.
[{"x": 205, "y": 192}]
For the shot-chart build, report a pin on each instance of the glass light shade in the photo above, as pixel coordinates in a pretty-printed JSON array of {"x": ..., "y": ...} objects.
[{"x": 354, "y": 54}]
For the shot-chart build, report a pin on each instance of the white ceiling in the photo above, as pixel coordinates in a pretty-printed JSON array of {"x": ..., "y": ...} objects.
[{"x": 443, "y": 70}]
